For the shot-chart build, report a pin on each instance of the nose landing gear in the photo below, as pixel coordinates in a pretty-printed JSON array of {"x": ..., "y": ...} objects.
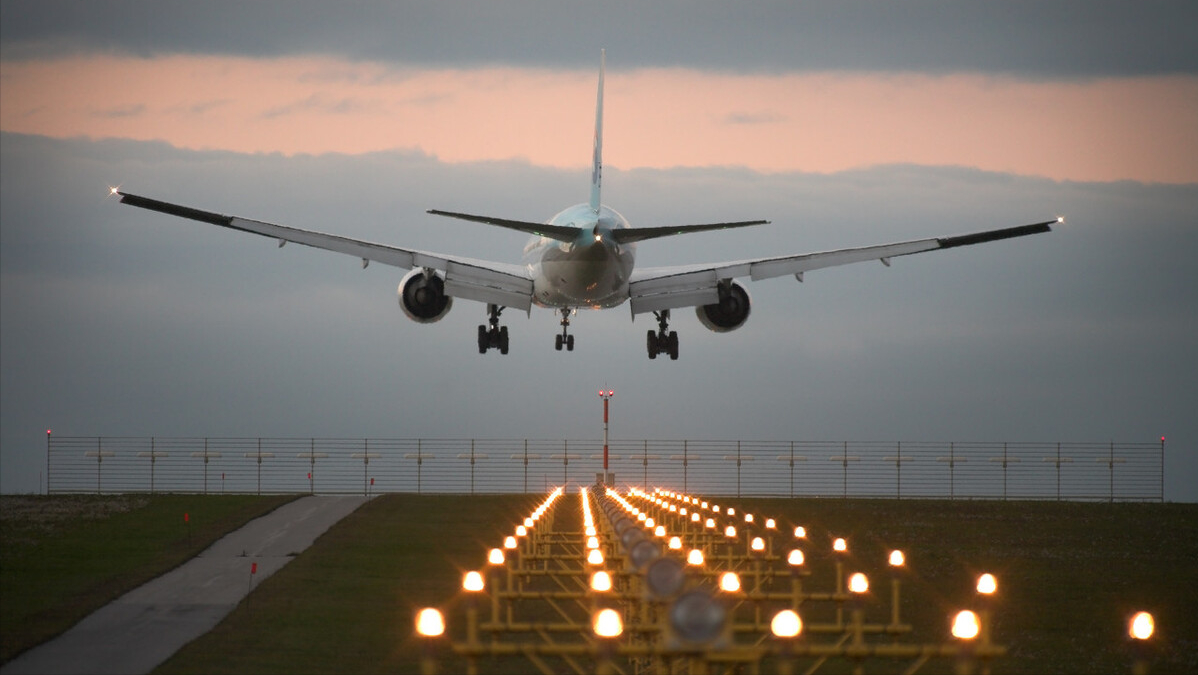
[
  {"x": 565, "y": 339},
  {"x": 664, "y": 340}
]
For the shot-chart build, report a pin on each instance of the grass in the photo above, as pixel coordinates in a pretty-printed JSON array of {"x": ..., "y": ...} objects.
[
  {"x": 1069, "y": 574},
  {"x": 62, "y": 557}
]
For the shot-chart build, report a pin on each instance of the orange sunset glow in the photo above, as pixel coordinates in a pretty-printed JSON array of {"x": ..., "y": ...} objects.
[{"x": 1089, "y": 130}]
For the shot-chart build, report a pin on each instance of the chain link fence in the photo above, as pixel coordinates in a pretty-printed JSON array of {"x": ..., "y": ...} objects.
[{"x": 955, "y": 470}]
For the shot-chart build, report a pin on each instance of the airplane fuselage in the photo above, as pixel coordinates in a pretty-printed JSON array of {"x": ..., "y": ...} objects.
[{"x": 591, "y": 271}]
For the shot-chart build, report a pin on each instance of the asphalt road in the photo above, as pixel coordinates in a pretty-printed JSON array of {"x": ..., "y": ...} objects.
[{"x": 143, "y": 628}]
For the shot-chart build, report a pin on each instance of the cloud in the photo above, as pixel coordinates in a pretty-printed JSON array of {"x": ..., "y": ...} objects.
[
  {"x": 1025, "y": 39},
  {"x": 1093, "y": 130}
]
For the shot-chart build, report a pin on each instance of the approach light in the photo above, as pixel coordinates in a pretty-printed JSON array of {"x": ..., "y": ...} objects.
[
  {"x": 521, "y": 531},
  {"x": 695, "y": 557},
  {"x": 770, "y": 524},
  {"x": 607, "y": 624},
  {"x": 730, "y": 532},
  {"x": 528, "y": 523},
  {"x": 601, "y": 582},
  {"x": 675, "y": 543},
  {"x": 966, "y": 626},
  {"x": 430, "y": 623},
  {"x": 695, "y": 517},
  {"x": 786, "y": 624},
  {"x": 1141, "y": 626},
  {"x": 987, "y": 584},
  {"x": 509, "y": 542},
  {"x": 592, "y": 542},
  {"x": 659, "y": 531},
  {"x": 757, "y": 545},
  {"x": 897, "y": 559},
  {"x": 731, "y": 511},
  {"x": 473, "y": 582},
  {"x": 748, "y": 517},
  {"x": 859, "y": 583},
  {"x": 495, "y": 557},
  {"x": 800, "y": 532},
  {"x": 795, "y": 557},
  {"x": 591, "y": 531},
  {"x": 840, "y": 545},
  {"x": 710, "y": 523},
  {"x": 595, "y": 557},
  {"x": 730, "y": 582}
]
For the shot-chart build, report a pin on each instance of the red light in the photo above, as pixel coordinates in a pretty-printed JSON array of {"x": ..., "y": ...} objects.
[
  {"x": 48, "y": 433},
  {"x": 611, "y": 393},
  {"x": 1162, "y": 438},
  {"x": 253, "y": 568}
]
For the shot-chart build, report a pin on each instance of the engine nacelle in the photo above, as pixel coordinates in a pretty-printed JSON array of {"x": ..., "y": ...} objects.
[
  {"x": 422, "y": 296},
  {"x": 730, "y": 312}
]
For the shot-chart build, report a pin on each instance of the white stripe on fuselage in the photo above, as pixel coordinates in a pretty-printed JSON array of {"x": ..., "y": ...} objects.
[{"x": 590, "y": 272}]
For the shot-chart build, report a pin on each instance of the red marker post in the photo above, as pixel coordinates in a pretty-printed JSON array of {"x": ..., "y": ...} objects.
[{"x": 187, "y": 524}]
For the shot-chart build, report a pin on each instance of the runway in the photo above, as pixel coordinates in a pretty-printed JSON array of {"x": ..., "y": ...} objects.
[{"x": 144, "y": 627}]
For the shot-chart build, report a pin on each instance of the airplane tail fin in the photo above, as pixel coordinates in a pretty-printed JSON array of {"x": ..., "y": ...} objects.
[{"x": 597, "y": 156}]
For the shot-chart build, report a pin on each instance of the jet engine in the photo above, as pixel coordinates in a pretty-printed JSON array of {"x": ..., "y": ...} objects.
[
  {"x": 730, "y": 312},
  {"x": 422, "y": 296}
]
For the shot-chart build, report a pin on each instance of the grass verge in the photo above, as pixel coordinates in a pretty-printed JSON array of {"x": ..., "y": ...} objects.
[
  {"x": 1069, "y": 574},
  {"x": 64, "y": 556}
]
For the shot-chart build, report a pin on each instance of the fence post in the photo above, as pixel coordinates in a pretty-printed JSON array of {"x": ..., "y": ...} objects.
[
  {"x": 645, "y": 464},
  {"x": 792, "y": 469},
  {"x": 1162, "y": 470},
  {"x": 419, "y": 463},
  {"x": 526, "y": 466},
  {"x": 738, "y": 469},
  {"x": 898, "y": 470},
  {"x": 684, "y": 463}
]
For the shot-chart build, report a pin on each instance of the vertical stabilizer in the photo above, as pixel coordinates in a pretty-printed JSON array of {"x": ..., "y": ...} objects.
[{"x": 597, "y": 158}]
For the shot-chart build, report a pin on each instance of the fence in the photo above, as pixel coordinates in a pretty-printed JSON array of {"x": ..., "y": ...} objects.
[{"x": 1074, "y": 471}]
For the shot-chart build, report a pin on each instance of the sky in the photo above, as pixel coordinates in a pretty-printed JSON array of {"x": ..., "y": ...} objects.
[{"x": 845, "y": 124}]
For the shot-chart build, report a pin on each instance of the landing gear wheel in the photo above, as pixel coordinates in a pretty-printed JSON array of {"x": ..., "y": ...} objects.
[
  {"x": 569, "y": 343},
  {"x": 664, "y": 340},
  {"x": 495, "y": 335},
  {"x": 557, "y": 343}
]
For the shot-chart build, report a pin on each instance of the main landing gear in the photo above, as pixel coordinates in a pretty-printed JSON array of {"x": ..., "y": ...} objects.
[
  {"x": 664, "y": 340},
  {"x": 565, "y": 338},
  {"x": 496, "y": 335}
]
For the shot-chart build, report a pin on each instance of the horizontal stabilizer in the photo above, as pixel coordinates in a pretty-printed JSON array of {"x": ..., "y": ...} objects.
[
  {"x": 630, "y": 235},
  {"x": 558, "y": 232}
]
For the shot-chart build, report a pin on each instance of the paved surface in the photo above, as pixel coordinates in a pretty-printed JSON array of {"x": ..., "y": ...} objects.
[{"x": 143, "y": 628}]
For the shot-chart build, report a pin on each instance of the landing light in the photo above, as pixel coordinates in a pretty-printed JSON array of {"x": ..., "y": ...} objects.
[
  {"x": 966, "y": 626},
  {"x": 473, "y": 582},
  {"x": 729, "y": 582},
  {"x": 601, "y": 582},
  {"x": 786, "y": 624},
  {"x": 987, "y": 584},
  {"x": 430, "y": 623},
  {"x": 1141, "y": 626},
  {"x": 608, "y": 624}
]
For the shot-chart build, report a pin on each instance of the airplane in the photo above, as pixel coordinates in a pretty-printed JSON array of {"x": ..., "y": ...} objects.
[{"x": 582, "y": 258}]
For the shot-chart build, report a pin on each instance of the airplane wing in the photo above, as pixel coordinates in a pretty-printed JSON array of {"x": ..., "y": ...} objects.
[
  {"x": 498, "y": 283},
  {"x": 655, "y": 289}
]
